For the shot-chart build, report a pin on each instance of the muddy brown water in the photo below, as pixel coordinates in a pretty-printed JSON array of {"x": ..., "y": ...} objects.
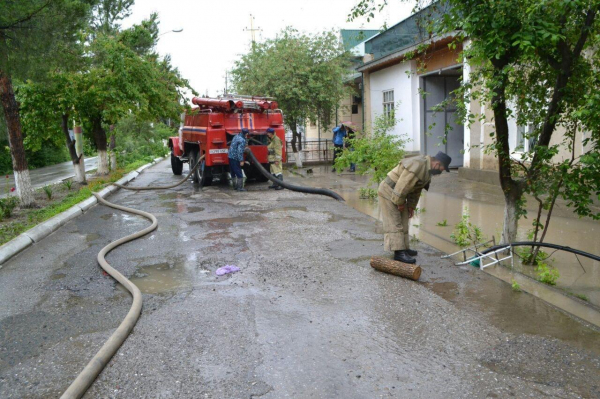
[{"x": 578, "y": 275}]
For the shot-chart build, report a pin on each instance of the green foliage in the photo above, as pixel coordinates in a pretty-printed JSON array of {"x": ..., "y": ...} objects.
[
  {"x": 139, "y": 140},
  {"x": 39, "y": 35},
  {"x": 304, "y": 72},
  {"x": 515, "y": 286},
  {"x": 49, "y": 192},
  {"x": 7, "y": 205},
  {"x": 414, "y": 239},
  {"x": 443, "y": 223},
  {"x": 465, "y": 233},
  {"x": 376, "y": 153},
  {"x": 68, "y": 184},
  {"x": 367, "y": 193},
  {"x": 546, "y": 273},
  {"x": 582, "y": 297}
]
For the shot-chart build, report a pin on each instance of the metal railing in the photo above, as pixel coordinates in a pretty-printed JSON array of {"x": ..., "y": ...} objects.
[{"x": 313, "y": 151}]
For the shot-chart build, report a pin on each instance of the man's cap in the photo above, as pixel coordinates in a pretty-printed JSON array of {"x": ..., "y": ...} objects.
[
  {"x": 444, "y": 159},
  {"x": 245, "y": 131},
  {"x": 270, "y": 130}
]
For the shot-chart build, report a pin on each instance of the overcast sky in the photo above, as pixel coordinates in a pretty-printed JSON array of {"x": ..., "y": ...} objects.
[{"x": 213, "y": 35}]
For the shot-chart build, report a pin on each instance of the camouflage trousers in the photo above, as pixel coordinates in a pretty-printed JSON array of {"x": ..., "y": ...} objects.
[
  {"x": 395, "y": 226},
  {"x": 276, "y": 169}
]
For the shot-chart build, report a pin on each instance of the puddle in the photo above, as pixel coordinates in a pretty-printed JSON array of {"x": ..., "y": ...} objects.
[
  {"x": 169, "y": 277},
  {"x": 57, "y": 276},
  {"x": 91, "y": 237},
  {"x": 223, "y": 223}
]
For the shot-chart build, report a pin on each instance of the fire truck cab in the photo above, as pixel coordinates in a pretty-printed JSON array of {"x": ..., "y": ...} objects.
[{"x": 209, "y": 128}]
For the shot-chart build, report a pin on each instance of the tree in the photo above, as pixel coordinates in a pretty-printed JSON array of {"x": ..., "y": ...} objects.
[
  {"x": 125, "y": 77},
  {"x": 33, "y": 36},
  {"x": 304, "y": 73},
  {"x": 534, "y": 61}
]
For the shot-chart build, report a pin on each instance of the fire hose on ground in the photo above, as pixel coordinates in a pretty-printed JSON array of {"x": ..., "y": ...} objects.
[
  {"x": 542, "y": 244},
  {"x": 292, "y": 187},
  {"x": 95, "y": 366}
]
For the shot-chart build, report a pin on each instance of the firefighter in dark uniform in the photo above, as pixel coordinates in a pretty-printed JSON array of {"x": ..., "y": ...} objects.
[
  {"x": 398, "y": 197},
  {"x": 275, "y": 149}
]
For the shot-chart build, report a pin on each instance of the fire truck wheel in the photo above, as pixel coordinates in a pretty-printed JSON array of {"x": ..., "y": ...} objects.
[
  {"x": 204, "y": 174},
  {"x": 193, "y": 161},
  {"x": 176, "y": 164}
]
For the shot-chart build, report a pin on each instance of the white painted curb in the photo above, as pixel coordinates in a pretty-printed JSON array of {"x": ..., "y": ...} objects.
[{"x": 44, "y": 229}]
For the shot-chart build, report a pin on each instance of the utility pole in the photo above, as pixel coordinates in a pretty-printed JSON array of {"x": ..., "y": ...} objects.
[
  {"x": 252, "y": 29},
  {"x": 226, "y": 76}
]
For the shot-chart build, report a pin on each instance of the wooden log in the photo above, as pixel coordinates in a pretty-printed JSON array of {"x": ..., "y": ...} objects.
[{"x": 412, "y": 272}]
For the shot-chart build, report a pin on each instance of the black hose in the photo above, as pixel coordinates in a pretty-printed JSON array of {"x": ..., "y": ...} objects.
[
  {"x": 543, "y": 244},
  {"x": 301, "y": 189}
]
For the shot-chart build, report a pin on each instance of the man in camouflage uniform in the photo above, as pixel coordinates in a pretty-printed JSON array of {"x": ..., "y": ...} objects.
[
  {"x": 275, "y": 152},
  {"x": 398, "y": 197}
]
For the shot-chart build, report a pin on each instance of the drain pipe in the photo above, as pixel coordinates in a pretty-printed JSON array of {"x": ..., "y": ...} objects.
[{"x": 87, "y": 376}]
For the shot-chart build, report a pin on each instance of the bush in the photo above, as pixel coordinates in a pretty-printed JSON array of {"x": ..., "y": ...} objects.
[
  {"x": 7, "y": 205},
  {"x": 466, "y": 233},
  {"x": 376, "y": 153}
]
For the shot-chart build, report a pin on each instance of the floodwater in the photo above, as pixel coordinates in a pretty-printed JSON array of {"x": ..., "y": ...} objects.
[{"x": 450, "y": 198}]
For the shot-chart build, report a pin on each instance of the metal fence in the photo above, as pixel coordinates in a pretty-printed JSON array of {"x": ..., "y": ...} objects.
[{"x": 313, "y": 151}]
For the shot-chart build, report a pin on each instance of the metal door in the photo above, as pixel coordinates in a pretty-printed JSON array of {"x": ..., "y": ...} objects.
[{"x": 435, "y": 123}]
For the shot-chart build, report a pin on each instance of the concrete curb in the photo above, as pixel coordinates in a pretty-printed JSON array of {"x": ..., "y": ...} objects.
[{"x": 44, "y": 229}]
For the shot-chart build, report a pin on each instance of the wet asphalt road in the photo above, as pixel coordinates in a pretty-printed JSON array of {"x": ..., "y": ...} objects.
[
  {"x": 305, "y": 318},
  {"x": 52, "y": 174}
]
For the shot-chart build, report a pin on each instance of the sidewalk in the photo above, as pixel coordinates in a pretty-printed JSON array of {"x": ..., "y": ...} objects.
[
  {"x": 450, "y": 196},
  {"x": 51, "y": 174}
]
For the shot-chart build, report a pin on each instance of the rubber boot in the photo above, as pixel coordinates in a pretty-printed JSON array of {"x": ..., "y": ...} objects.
[
  {"x": 240, "y": 185},
  {"x": 412, "y": 252},
  {"x": 273, "y": 184},
  {"x": 280, "y": 177},
  {"x": 402, "y": 256}
]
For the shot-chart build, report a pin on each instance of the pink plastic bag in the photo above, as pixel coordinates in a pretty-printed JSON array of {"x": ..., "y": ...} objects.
[{"x": 227, "y": 269}]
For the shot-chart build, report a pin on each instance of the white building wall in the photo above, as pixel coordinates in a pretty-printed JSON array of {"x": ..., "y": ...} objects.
[{"x": 405, "y": 86}]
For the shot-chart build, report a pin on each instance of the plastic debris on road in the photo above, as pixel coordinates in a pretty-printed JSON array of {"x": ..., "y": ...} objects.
[{"x": 227, "y": 270}]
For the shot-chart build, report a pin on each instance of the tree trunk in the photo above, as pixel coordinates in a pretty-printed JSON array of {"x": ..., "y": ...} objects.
[
  {"x": 15, "y": 138},
  {"x": 296, "y": 138},
  {"x": 113, "y": 154},
  {"x": 511, "y": 216},
  {"x": 78, "y": 162},
  {"x": 100, "y": 139},
  {"x": 512, "y": 189}
]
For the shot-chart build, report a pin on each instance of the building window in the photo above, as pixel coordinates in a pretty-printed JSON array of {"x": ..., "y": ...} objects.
[
  {"x": 354, "y": 109},
  {"x": 525, "y": 138},
  {"x": 388, "y": 103}
]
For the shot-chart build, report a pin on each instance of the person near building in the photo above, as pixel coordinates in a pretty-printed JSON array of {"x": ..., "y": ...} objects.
[
  {"x": 339, "y": 134},
  {"x": 398, "y": 197},
  {"x": 275, "y": 149},
  {"x": 236, "y": 159}
]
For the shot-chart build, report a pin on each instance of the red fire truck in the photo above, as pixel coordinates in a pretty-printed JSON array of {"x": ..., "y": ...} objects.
[{"x": 209, "y": 128}]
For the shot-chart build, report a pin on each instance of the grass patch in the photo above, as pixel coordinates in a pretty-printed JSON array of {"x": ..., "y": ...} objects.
[{"x": 63, "y": 197}]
